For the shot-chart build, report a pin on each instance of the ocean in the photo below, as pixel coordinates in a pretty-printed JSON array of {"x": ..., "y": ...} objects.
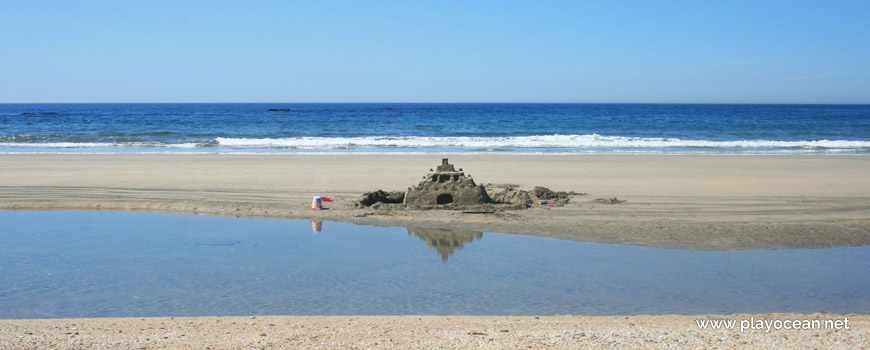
[{"x": 258, "y": 128}]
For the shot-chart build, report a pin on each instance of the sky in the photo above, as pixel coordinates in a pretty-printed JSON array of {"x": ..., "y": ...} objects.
[{"x": 435, "y": 51}]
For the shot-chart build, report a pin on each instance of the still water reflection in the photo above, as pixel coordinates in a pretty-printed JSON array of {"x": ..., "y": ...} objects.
[
  {"x": 444, "y": 241},
  {"x": 100, "y": 264}
]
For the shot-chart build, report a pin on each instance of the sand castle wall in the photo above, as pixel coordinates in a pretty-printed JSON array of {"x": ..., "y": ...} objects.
[{"x": 446, "y": 186}]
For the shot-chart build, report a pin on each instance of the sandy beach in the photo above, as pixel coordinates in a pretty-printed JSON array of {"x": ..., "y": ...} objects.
[
  {"x": 699, "y": 202},
  {"x": 429, "y": 332}
]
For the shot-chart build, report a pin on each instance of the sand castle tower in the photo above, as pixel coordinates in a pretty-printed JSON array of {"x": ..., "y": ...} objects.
[{"x": 446, "y": 186}]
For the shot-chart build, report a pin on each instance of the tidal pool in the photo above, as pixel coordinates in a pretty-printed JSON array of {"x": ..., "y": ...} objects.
[{"x": 110, "y": 264}]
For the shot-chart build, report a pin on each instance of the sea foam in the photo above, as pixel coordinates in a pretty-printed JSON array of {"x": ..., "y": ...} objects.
[
  {"x": 520, "y": 142},
  {"x": 592, "y": 143}
]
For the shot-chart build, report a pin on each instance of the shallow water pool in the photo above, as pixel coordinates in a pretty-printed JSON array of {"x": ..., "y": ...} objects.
[{"x": 109, "y": 264}]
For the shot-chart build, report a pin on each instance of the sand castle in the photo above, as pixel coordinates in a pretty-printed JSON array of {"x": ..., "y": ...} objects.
[{"x": 446, "y": 186}]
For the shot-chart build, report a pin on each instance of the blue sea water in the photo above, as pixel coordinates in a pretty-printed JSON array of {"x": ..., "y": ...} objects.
[{"x": 435, "y": 128}]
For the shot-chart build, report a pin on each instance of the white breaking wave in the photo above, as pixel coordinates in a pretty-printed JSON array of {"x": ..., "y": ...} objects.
[{"x": 543, "y": 141}]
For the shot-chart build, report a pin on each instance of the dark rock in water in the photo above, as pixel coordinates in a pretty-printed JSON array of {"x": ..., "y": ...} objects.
[
  {"x": 278, "y": 110},
  {"x": 543, "y": 193},
  {"x": 39, "y": 113},
  {"x": 515, "y": 197},
  {"x": 381, "y": 196}
]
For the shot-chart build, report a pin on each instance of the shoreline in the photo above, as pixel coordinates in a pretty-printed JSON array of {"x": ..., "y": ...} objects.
[
  {"x": 426, "y": 332},
  {"x": 692, "y": 202}
]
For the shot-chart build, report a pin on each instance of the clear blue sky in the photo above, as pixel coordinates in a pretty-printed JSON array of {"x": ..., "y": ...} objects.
[{"x": 435, "y": 51}]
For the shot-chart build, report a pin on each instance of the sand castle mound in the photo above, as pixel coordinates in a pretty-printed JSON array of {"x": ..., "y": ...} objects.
[{"x": 448, "y": 188}]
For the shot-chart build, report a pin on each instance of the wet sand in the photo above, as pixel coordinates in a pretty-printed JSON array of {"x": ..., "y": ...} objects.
[
  {"x": 426, "y": 332},
  {"x": 700, "y": 202}
]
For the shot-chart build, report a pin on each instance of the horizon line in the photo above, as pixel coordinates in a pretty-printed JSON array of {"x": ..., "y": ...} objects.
[{"x": 565, "y": 103}]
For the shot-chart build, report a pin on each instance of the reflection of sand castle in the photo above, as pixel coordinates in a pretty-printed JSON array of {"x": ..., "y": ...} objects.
[
  {"x": 444, "y": 241},
  {"x": 446, "y": 186}
]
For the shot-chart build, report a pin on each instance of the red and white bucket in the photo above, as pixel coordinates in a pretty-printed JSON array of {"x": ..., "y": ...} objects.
[{"x": 316, "y": 203}]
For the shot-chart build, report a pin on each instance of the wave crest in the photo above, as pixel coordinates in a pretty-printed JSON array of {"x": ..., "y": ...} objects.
[
  {"x": 593, "y": 143},
  {"x": 514, "y": 142}
]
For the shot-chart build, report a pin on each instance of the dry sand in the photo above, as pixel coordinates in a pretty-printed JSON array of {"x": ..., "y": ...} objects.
[
  {"x": 425, "y": 332},
  {"x": 702, "y": 202}
]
